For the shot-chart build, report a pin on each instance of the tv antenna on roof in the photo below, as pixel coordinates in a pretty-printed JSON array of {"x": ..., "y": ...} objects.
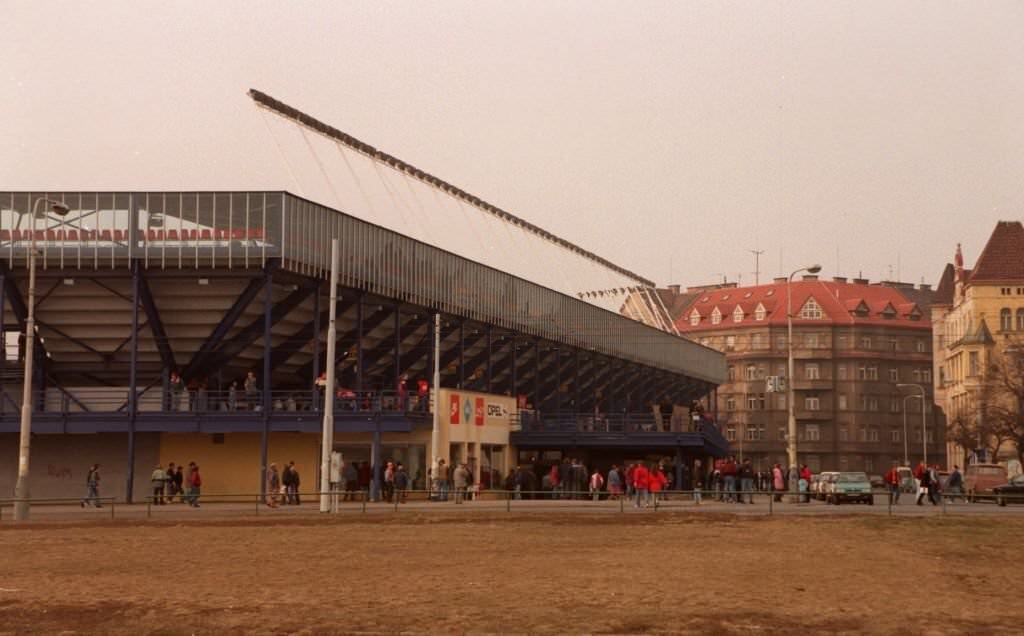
[{"x": 757, "y": 265}]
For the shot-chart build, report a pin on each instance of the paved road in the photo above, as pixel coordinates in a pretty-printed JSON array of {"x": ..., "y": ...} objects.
[{"x": 225, "y": 508}]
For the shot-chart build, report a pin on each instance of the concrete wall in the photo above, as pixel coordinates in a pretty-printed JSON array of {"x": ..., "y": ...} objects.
[
  {"x": 59, "y": 463},
  {"x": 234, "y": 465}
]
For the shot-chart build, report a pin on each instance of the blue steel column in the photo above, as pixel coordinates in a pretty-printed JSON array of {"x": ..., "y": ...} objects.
[
  {"x": 558, "y": 380},
  {"x": 536, "y": 375},
  {"x": 515, "y": 363},
  {"x": 268, "y": 304},
  {"x": 679, "y": 468},
  {"x": 576, "y": 385},
  {"x": 398, "y": 345},
  {"x": 133, "y": 382},
  {"x": 316, "y": 349},
  {"x": 375, "y": 453}
]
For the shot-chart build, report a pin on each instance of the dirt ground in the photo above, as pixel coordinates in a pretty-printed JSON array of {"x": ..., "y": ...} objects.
[{"x": 549, "y": 572}]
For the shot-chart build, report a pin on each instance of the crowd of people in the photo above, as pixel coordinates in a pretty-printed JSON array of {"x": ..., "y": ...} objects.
[{"x": 176, "y": 481}]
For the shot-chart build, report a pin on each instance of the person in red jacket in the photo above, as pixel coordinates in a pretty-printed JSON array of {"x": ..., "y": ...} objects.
[
  {"x": 195, "y": 482},
  {"x": 553, "y": 479},
  {"x": 641, "y": 485},
  {"x": 656, "y": 483},
  {"x": 892, "y": 480}
]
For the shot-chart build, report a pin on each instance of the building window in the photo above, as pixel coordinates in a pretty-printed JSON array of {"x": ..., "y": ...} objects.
[
  {"x": 869, "y": 464},
  {"x": 782, "y": 434},
  {"x": 841, "y": 371},
  {"x": 842, "y": 401},
  {"x": 894, "y": 405},
  {"x": 812, "y": 433},
  {"x": 730, "y": 403},
  {"x": 894, "y": 375},
  {"x": 1020, "y": 318},
  {"x": 730, "y": 433},
  {"x": 917, "y": 434},
  {"x": 759, "y": 313},
  {"x": 1005, "y": 319},
  {"x": 865, "y": 343},
  {"x": 751, "y": 401},
  {"x": 732, "y": 373},
  {"x": 842, "y": 342},
  {"x": 694, "y": 318},
  {"x": 811, "y": 340},
  {"x": 811, "y": 310},
  {"x": 872, "y": 373},
  {"x": 716, "y": 316},
  {"x": 894, "y": 345},
  {"x": 751, "y": 372},
  {"x": 873, "y": 435},
  {"x": 844, "y": 435},
  {"x": 755, "y": 341},
  {"x": 781, "y": 401},
  {"x": 812, "y": 403},
  {"x": 972, "y": 363},
  {"x": 780, "y": 343},
  {"x": 862, "y": 434},
  {"x": 730, "y": 343},
  {"x": 921, "y": 346},
  {"x": 812, "y": 371},
  {"x": 894, "y": 435},
  {"x": 737, "y": 314},
  {"x": 862, "y": 373}
]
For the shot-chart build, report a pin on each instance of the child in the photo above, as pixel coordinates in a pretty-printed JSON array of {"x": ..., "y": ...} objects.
[{"x": 596, "y": 481}]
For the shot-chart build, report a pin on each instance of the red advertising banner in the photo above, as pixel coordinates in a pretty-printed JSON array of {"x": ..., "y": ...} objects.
[
  {"x": 479, "y": 411},
  {"x": 453, "y": 410}
]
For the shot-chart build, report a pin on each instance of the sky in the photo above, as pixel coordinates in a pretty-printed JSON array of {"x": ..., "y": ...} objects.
[{"x": 669, "y": 137}]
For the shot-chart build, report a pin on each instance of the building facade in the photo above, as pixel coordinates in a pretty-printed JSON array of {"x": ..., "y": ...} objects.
[
  {"x": 854, "y": 345},
  {"x": 976, "y": 314}
]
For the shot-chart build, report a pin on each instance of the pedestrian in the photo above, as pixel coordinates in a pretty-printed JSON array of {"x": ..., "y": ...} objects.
[
  {"x": 955, "y": 484},
  {"x": 195, "y": 483},
  {"x": 656, "y": 483},
  {"x": 179, "y": 481},
  {"x": 927, "y": 487},
  {"x": 629, "y": 480},
  {"x": 389, "y": 481},
  {"x": 596, "y": 482},
  {"x": 351, "y": 476},
  {"x": 778, "y": 482},
  {"x": 157, "y": 482},
  {"x": 746, "y": 474},
  {"x": 698, "y": 486},
  {"x": 252, "y": 392},
  {"x": 442, "y": 480},
  {"x": 293, "y": 485},
  {"x": 401, "y": 482},
  {"x": 805, "y": 482},
  {"x": 511, "y": 484},
  {"x": 273, "y": 486},
  {"x": 641, "y": 484},
  {"x": 892, "y": 481},
  {"x": 553, "y": 480},
  {"x": 92, "y": 486},
  {"x": 169, "y": 490},
  {"x": 460, "y": 479},
  {"x": 614, "y": 483},
  {"x": 177, "y": 385}
]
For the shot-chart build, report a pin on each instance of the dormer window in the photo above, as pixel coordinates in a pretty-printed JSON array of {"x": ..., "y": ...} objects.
[
  {"x": 694, "y": 318},
  {"x": 889, "y": 311},
  {"x": 716, "y": 316},
  {"x": 737, "y": 314},
  {"x": 811, "y": 310},
  {"x": 760, "y": 312}
]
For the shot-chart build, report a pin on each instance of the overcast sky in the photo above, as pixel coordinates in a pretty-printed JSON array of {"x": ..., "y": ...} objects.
[{"x": 668, "y": 137}]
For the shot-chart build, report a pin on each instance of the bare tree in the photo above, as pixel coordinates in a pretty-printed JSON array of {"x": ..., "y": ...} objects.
[{"x": 1001, "y": 399}]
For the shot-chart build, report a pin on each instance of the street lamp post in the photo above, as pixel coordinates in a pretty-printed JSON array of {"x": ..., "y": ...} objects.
[
  {"x": 790, "y": 391},
  {"x": 906, "y": 448},
  {"x": 21, "y": 489},
  {"x": 924, "y": 421}
]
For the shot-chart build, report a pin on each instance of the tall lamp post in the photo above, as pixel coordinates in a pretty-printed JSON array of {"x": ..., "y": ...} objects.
[
  {"x": 924, "y": 421},
  {"x": 906, "y": 451},
  {"x": 21, "y": 490},
  {"x": 794, "y": 476}
]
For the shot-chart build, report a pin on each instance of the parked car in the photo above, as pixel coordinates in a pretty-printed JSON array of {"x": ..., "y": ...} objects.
[
  {"x": 851, "y": 487},
  {"x": 1010, "y": 492},
  {"x": 980, "y": 479},
  {"x": 877, "y": 482},
  {"x": 824, "y": 484}
]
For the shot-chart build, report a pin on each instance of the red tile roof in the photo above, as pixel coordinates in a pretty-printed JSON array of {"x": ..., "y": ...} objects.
[
  {"x": 944, "y": 292},
  {"x": 837, "y": 301},
  {"x": 1003, "y": 256}
]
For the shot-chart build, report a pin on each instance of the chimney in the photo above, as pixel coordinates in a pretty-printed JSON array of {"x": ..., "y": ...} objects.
[
  {"x": 674, "y": 289},
  {"x": 839, "y": 279},
  {"x": 925, "y": 287},
  {"x": 860, "y": 281},
  {"x": 810, "y": 277},
  {"x": 780, "y": 280}
]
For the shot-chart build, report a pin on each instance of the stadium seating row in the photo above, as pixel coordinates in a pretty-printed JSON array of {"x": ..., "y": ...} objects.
[{"x": 218, "y": 234}]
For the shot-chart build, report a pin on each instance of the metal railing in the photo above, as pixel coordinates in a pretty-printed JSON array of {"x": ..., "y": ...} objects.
[
  {"x": 115, "y": 400},
  {"x": 59, "y": 501}
]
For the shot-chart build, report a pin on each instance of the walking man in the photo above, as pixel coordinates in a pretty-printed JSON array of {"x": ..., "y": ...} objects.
[
  {"x": 460, "y": 478},
  {"x": 195, "y": 482},
  {"x": 747, "y": 481},
  {"x": 955, "y": 484},
  {"x": 641, "y": 483},
  {"x": 92, "y": 484},
  {"x": 157, "y": 480},
  {"x": 273, "y": 486},
  {"x": 442, "y": 480},
  {"x": 892, "y": 480}
]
